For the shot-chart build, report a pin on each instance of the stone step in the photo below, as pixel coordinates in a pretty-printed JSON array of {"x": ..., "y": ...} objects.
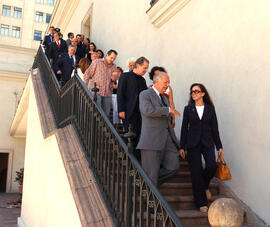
[
  {"x": 179, "y": 202},
  {"x": 181, "y": 177},
  {"x": 183, "y": 189},
  {"x": 192, "y": 218},
  {"x": 183, "y": 166}
]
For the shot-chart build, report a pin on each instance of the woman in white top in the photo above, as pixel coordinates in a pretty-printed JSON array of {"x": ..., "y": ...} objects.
[{"x": 200, "y": 136}]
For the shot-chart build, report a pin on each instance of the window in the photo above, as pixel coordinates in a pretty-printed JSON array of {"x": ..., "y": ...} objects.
[
  {"x": 37, "y": 35},
  {"x": 16, "y": 32},
  {"x": 48, "y": 17},
  {"x": 4, "y": 30},
  {"x": 40, "y": 1},
  {"x": 17, "y": 12},
  {"x": 50, "y": 2},
  {"x": 6, "y": 11},
  {"x": 39, "y": 17}
]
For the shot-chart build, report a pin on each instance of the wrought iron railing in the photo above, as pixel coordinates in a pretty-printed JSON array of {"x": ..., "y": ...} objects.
[{"x": 133, "y": 199}]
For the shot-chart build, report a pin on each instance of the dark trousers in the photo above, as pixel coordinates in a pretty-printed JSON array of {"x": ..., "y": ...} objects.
[
  {"x": 136, "y": 125},
  {"x": 201, "y": 177}
]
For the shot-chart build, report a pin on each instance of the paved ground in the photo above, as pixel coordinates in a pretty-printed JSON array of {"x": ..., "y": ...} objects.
[{"x": 8, "y": 216}]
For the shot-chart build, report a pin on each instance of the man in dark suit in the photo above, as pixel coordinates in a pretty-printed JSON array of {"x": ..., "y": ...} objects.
[
  {"x": 65, "y": 64},
  {"x": 158, "y": 142},
  {"x": 130, "y": 85},
  {"x": 48, "y": 38},
  {"x": 81, "y": 48},
  {"x": 56, "y": 48}
]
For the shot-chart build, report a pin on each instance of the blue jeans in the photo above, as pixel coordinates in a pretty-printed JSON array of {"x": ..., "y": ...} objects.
[{"x": 105, "y": 103}]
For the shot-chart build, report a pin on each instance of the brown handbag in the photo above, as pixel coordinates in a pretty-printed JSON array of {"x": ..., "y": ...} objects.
[{"x": 223, "y": 172}]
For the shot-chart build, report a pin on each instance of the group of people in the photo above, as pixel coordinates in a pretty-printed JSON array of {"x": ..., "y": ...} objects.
[
  {"x": 149, "y": 110},
  {"x": 64, "y": 55}
]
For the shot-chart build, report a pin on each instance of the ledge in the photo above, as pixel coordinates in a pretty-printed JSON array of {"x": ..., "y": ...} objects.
[{"x": 163, "y": 10}]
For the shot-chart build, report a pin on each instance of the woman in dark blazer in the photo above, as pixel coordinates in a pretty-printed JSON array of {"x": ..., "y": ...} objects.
[{"x": 199, "y": 136}]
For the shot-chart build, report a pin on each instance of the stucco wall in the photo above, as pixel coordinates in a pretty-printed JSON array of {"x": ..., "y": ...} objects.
[
  {"x": 47, "y": 198},
  {"x": 14, "y": 146},
  {"x": 222, "y": 44}
]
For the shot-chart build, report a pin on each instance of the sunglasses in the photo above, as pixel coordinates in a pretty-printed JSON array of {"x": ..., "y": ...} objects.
[{"x": 195, "y": 92}]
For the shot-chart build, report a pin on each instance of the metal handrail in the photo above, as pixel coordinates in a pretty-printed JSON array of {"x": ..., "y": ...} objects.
[{"x": 132, "y": 197}]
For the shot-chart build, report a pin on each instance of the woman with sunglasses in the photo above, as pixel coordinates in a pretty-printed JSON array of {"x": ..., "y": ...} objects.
[{"x": 199, "y": 135}]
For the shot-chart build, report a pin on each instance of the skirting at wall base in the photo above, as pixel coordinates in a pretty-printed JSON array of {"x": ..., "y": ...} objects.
[{"x": 21, "y": 222}]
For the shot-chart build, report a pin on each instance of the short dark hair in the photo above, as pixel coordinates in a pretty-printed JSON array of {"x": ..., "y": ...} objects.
[
  {"x": 51, "y": 27},
  {"x": 70, "y": 34},
  {"x": 102, "y": 54},
  {"x": 58, "y": 33},
  {"x": 78, "y": 35},
  {"x": 155, "y": 68},
  {"x": 112, "y": 51},
  {"x": 120, "y": 69},
  {"x": 140, "y": 61}
]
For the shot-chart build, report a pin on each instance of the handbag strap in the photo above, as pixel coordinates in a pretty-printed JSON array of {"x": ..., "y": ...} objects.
[{"x": 221, "y": 159}]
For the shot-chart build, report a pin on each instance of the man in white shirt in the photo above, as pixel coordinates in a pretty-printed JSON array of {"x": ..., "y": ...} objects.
[{"x": 158, "y": 142}]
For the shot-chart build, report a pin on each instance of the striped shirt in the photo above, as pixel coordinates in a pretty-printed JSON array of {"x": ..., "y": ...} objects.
[{"x": 101, "y": 73}]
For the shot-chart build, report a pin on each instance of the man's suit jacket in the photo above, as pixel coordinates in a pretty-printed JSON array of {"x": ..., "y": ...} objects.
[
  {"x": 68, "y": 42},
  {"x": 194, "y": 130},
  {"x": 48, "y": 40},
  {"x": 55, "y": 51},
  {"x": 128, "y": 90},
  {"x": 81, "y": 51},
  {"x": 65, "y": 64},
  {"x": 156, "y": 122}
]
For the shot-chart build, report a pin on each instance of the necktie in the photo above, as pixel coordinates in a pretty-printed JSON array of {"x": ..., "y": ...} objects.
[
  {"x": 72, "y": 60},
  {"x": 162, "y": 100},
  {"x": 58, "y": 44}
]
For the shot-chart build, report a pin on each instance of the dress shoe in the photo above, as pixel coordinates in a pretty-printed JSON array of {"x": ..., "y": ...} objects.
[
  {"x": 208, "y": 194},
  {"x": 204, "y": 209}
]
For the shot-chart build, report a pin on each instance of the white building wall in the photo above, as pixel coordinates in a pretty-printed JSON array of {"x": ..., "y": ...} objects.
[
  {"x": 47, "y": 197},
  {"x": 11, "y": 89},
  {"x": 222, "y": 44}
]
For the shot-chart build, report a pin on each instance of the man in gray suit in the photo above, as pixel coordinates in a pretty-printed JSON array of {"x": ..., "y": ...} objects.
[{"x": 158, "y": 142}]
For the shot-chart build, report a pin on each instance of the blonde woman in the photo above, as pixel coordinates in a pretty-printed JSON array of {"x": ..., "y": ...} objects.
[{"x": 82, "y": 66}]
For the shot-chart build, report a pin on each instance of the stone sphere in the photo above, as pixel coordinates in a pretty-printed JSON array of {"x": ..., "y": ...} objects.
[{"x": 225, "y": 212}]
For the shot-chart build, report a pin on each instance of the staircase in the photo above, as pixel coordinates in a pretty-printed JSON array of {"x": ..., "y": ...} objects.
[{"x": 178, "y": 193}]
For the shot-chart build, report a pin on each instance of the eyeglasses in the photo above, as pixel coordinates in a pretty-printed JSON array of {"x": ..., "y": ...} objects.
[{"x": 195, "y": 92}]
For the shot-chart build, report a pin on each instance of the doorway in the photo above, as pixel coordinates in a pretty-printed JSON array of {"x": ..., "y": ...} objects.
[
  {"x": 3, "y": 171},
  {"x": 86, "y": 22}
]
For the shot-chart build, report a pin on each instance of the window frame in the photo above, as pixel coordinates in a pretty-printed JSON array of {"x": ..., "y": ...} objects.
[
  {"x": 17, "y": 11},
  {"x": 7, "y": 27},
  {"x": 50, "y": 2},
  {"x": 36, "y": 31},
  {"x": 37, "y": 17},
  {"x": 40, "y": 1},
  {"x": 47, "y": 17},
  {"x": 6, "y": 8},
  {"x": 17, "y": 31}
]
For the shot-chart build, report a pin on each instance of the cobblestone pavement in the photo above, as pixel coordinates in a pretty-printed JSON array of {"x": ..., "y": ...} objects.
[{"x": 8, "y": 216}]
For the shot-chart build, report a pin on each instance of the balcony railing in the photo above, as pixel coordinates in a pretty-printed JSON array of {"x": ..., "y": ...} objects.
[{"x": 133, "y": 199}]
